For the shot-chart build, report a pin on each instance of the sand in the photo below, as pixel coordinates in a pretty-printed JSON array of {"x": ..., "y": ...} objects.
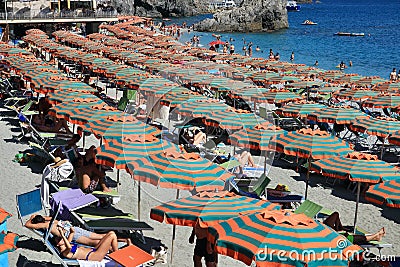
[{"x": 19, "y": 179}]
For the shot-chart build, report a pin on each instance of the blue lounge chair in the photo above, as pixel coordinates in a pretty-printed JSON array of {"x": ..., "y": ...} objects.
[{"x": 28, "y": 204}]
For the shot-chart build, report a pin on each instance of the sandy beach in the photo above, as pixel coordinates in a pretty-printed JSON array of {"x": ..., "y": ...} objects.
[{"x": 19, "y": 179}]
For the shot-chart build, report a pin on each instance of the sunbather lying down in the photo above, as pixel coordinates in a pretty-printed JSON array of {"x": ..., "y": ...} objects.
[
  {"x": 334, "y": 222},
  {"x": 83, "y": 253},
  {"x": 75, "y": 234},
  {"x": 47, "y": 124}
]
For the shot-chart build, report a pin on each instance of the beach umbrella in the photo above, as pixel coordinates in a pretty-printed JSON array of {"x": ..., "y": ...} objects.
[
  {"x": 299, "y": 109},
  {"x": 386, "y": 193},
  {"x": 200, "y": 108},
  {"x": 186, "y": 171},
  {"x": 208, "y": 208},
  {"x": 217, "y": 42},
  {"x": 96, "y": 111},
  {"x": 368, "y": 81},
  {"x": 394, "y": 138},
  {"x": 281, "y": 238},
  {"x": 115, "y": 127},
  {"x": 8, "y": 242},
  {"x": 380, "y": 126},
  {"x": 310, "y": 144},
  {"x": 118, "y": 152},
  {"x": 233, "y": 119},
  {"x": 4, "y": 215},
  {"x": 257, "y": 137},
  {"x": 338, "y": 115},
  {"x": 357, "y": 167},
  {"x": 356, "y": 94},
  {"x": 382, "y": 101},
  {"x": 278, "y": 96}
]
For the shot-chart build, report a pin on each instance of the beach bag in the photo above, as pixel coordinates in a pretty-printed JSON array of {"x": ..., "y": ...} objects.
[{"x": 59, "y": 173}]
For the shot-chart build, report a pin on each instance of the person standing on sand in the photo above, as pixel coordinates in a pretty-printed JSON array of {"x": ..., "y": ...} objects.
[
  {"x": 203, "y": 247},
  {"x": 292, "y": 57},
  {"x": 244, "y": 50},
  {"x": 350, "y": 63},
  {"x": 316, "y": 63}
]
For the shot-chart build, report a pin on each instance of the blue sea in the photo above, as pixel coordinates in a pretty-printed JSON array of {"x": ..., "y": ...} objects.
[{"x": 374, "y": 54}]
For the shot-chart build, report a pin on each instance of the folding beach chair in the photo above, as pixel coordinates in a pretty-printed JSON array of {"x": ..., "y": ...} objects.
[
  {"x": 309, "y": 208},
  {"x": 109, "y": 219},
  {"x": 27, "y": 204}
]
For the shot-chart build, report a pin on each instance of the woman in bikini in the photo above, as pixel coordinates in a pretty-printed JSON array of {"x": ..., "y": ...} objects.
[
  {"x": 83, "y": 253},
  {"x": 76, "y": 234}
]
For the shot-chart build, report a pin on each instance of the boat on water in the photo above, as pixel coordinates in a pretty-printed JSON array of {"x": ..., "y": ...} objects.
[
  {"x": 349, "y": 34},
  {"x": 292, "y": 5},
  {"x": 309, "y": 22}
]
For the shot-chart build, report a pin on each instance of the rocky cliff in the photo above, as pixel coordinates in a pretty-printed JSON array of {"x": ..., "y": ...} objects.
[
  {"x": 251, "y": 16},
  {"x": 161, "y": 8}
]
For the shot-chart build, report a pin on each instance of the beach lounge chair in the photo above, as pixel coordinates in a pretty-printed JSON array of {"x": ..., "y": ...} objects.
[
  {"x": 309, "y": 208},
  {"x": 100, "y": 219},
  {"x": 27, "y": 204}
]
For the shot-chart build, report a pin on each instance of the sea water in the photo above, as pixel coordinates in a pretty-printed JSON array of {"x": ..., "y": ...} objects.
[{"x": 374, "y": 54}]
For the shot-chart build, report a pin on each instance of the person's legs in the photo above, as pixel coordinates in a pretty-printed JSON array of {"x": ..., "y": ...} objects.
[
  {"x": 197, "y": 261},
  {"x": 103, "y": 247},
  {"x": 61, "y": 123},
  {"x": 334, "y": 222}
]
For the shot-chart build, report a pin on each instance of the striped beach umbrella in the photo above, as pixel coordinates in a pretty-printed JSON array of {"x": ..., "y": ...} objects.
[
  {"x": 185, "y": 171},
  {"x": 299, "y": 109},
  {"x": 310, "y": 144},
  {"x": 118, "y": 152},
  {"x": 8, "y": 242},
  {"x": 338, "y": 115},
  {"x": 116, "y": 127},
  {"x": 380, "y": 126},
  {"x": 357, "y": 167},
  {"x": 233, "y": 119},
  {"x": 96, "y": 111},
  {"x": 257, "y": 137},
  {"x": 281, "y": 238},
  {"x": 278, "y": 96},
  {"x": 382, "y": 101},
  {"x": 386, "y": 193},
  {"x": 356, "y": 94},
  {"x": 200, "y": 108},
  {"x": 208, "y": 208}
]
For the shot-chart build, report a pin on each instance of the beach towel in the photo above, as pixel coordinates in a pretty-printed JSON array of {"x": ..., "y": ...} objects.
[{"x": 71, "y": 199}]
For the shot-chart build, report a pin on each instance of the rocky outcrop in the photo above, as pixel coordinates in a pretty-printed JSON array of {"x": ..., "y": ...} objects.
[
  {"x": 251, "y": 16},
  {"x": 161, "y": 8}
]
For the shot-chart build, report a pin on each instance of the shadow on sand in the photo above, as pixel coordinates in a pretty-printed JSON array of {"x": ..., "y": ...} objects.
[{"x": 24, "y": 262}]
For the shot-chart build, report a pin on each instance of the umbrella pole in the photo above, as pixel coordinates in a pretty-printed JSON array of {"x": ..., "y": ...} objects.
[
  {"x": 173, "y": 232},
  {"x": 358, "y": 200},
  {"x": 265, "y": 162},
  {"x": 308, "y": 176},
  {"x": 117, "y": 180},
  {"x": 83, "y": 141},
  {"x": 138, "y": 204}
]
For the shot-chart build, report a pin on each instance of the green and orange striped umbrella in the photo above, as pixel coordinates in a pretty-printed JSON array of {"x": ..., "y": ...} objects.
[
  {"x": 118, "y": 152},
  {"x": 96, "y": 111},
  {"x": 208, "y": 208},
  {"x": 356, "y": 94},
  {"x": 67, "y": 109},
  {"x": 185, "y": 171},
  {"x": 382, "y": 101},
  {"x": 281, "y": 239},
  {"x": 386, "y": 193},
  {"x": 200, "y": 108},
  {"x": 299, "y": 109},
  {"x": 339, "y": 115},
  {"x": 380, "y": 126},
  {"x": 278, "y": 96},
  {"x": 8, "y": 242},
  {"x": 233, "y": 119},
  {"x": 117, "y": 126},
  {"x": 357, "y": 167},
  {"x": 257, "y": 138},
  {"x": 307, "y": 143},
  {"x": 310, "y": 144}
]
